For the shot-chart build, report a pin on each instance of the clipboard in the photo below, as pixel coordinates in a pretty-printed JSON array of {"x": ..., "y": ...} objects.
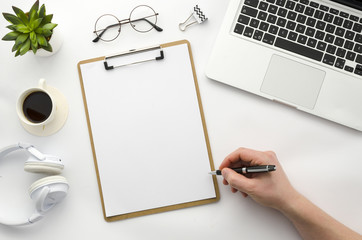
[{"x": 147, "y": 131}]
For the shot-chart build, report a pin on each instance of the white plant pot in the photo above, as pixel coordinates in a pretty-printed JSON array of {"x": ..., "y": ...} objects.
[{"x": 55, "y": 41}]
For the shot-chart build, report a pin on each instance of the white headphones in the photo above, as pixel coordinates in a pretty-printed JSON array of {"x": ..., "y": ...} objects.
[{"x": 46, "y": 192}]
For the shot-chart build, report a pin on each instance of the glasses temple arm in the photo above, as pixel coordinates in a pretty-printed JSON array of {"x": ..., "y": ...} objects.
[
  {"x": 103, "y": 31},
  {"x": 152, "y": 24}
]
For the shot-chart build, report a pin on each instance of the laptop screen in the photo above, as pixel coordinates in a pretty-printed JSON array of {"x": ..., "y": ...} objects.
[{"x": 357, "y": 4}]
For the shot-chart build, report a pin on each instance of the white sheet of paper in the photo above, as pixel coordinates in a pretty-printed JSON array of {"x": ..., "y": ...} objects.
[{"x": 148, "y": 134}]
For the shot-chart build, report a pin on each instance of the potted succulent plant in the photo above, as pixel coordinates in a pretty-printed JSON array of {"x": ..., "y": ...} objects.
[{"x": 31, "y": 30}]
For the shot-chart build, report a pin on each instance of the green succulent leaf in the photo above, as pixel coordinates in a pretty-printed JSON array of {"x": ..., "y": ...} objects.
[
  {"x": 47, "y": 19},
  {"x": 35, "y": 24},
  {"x": 11, "y": 36},
  {"x": 22, "y": 28},
  {"x": 33, "y": 39},
  {"x": 34, "y": 48},
  {"x": 12, "y": 18},
  {"x": 21, "y": 15},
  {"x": 39, "y": 30},
  {"x": 33, "y": 42},
  {"x": 47, "y": 33},
  {"x": 42, "y": 11},
  {"x": 21, "y": 38},
  {"x": 49, "y": 26},
  {"x": 33, "y": 15},
  {"x": 11, "y": 27},
  {"x": 41, "y": 40},
  {"x": 17, "y": 52},
  {"x": 25, "y": 47},
  {"x": 35, "y": 6},
  {"x": 16, "y": 47},
  {"x": 48, "y": 48}
]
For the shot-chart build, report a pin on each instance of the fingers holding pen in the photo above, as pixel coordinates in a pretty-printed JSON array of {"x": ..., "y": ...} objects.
[
  {"x": 225, "y": 182},
  {"x": 243, "y": 157},
  {"x": 236, "y": 181}
]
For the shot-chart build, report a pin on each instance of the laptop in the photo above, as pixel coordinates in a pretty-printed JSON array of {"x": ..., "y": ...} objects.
[{"x": 303, "y": 53}]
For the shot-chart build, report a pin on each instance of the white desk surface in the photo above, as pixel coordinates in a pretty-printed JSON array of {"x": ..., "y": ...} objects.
[{"x": 322, "y": 159}]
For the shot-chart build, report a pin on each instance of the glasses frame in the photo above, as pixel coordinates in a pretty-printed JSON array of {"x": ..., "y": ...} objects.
[{"x": 126, "y": 21}]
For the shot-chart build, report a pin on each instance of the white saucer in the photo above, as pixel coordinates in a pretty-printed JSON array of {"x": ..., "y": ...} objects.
[{"x": 60, "y": 117}]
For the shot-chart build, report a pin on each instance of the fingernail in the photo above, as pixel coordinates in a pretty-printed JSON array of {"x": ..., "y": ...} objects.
[{"x": 225, "y": 172}]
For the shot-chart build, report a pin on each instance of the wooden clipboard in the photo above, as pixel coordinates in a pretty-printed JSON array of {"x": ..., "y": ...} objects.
[{"x": 105, "y": 141}]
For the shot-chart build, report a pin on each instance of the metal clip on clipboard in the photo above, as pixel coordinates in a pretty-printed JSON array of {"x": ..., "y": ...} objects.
[{"x": 133, "y": 51}]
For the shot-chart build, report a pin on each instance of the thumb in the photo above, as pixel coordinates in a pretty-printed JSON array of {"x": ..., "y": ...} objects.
[{"x": 235, "y": 180}]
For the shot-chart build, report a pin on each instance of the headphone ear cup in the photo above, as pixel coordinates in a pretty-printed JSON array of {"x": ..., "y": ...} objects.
[
  {"x": 48, "y": 191},
  {"x": 43, "y": 167}
]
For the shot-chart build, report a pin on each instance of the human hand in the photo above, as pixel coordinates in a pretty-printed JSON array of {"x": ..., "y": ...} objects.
[{"x": 271, "y": 189}]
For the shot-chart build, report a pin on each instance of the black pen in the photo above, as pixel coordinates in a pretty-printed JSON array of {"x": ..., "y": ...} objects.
[{"x": 253, "y": 169}]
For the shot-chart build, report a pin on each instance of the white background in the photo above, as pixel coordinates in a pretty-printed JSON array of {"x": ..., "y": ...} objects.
[{"x": 322, "y": 159}]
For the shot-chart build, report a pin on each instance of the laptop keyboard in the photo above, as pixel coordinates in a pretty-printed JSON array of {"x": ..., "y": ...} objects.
[{"x": 307, "y": 28}]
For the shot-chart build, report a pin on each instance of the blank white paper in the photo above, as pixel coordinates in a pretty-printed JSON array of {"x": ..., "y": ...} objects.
[{"x": 148, "y": 134}]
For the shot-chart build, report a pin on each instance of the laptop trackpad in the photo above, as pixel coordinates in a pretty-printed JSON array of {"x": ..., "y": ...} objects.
[{"x": 292, "y": 81}]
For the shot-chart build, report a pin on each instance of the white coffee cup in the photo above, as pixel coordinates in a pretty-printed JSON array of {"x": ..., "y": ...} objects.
[
  {"x": 42, "y": 110},
  {"x": 36, "y": 106}
]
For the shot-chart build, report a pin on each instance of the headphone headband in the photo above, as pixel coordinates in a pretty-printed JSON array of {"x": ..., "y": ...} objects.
[
  {"x": 22, "y": 222},
  {"x": 30, "y": 148},
  {"x": 47, "y": 191}
]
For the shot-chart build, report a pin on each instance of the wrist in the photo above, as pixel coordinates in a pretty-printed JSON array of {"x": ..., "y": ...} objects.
[
  {"x": 292, "y": 204},
  {"x": 290, "y": 201}
]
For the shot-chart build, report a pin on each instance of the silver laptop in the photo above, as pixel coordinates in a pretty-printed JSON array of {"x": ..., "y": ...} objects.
[{"x": 306, "y": 54}]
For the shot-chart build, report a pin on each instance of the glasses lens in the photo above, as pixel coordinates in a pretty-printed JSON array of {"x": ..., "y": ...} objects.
[
  {"x": 107, "y": 27},
  {"x": 143, "y": 18}
]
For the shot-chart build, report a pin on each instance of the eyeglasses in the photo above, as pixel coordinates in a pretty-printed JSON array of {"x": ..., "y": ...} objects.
[{"x": 142, "y": 19}]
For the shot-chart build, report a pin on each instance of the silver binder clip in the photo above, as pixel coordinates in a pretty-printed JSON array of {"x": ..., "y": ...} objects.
[{"x": 198, "y": 16}]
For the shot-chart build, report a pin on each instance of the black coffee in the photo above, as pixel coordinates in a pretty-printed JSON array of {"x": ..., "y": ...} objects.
[{"x": 37, "y": 107}]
